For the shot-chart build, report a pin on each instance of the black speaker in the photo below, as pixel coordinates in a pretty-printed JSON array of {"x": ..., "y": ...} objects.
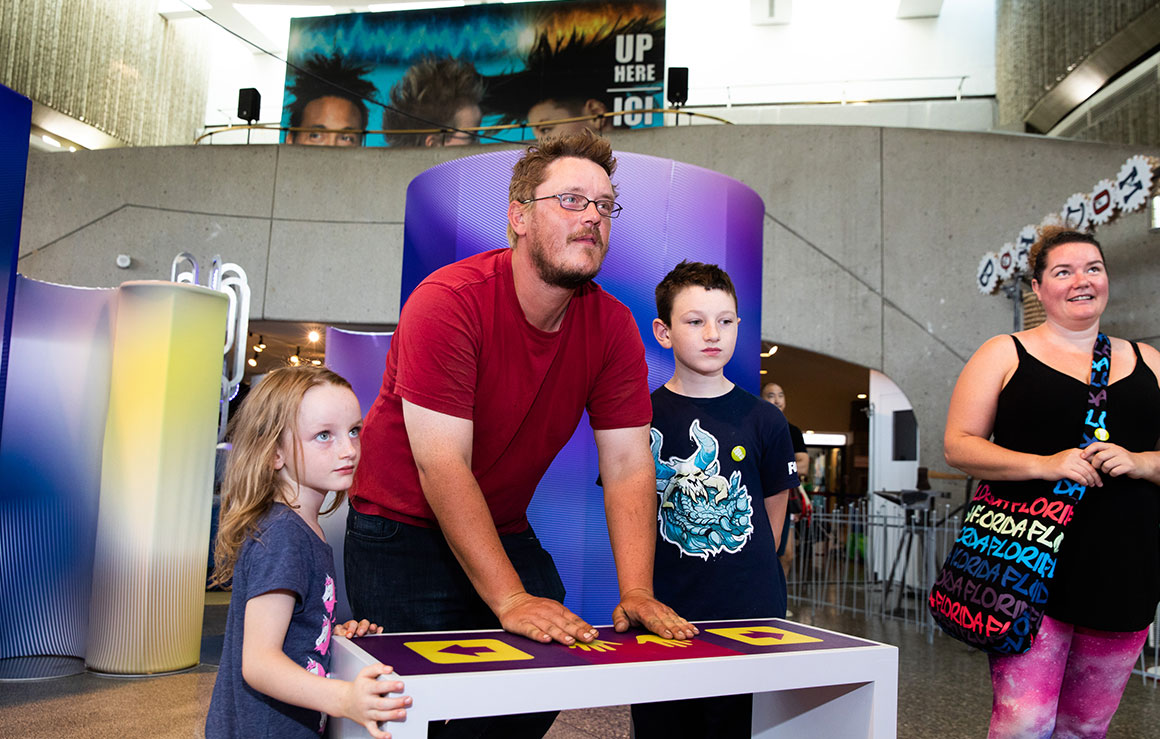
[
  {"x": 678, "y": 88},
  {"x": 249, "y": 104}
]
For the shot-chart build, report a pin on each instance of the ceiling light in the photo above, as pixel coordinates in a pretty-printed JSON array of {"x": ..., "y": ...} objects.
[
  {"x": 765, "y": 372},
  {"x": 252, "y": 362},
  {"x": 50, "y": 140},
  {"x": 316, "y": 362},
  {"x": 312, "y": 336},
  {"x": 771, "y": 352},
  {"x": 861, "y": 396},
  {"x": 812, "y": 438}
]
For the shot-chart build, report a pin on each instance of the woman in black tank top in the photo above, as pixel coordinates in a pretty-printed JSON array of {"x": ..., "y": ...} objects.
[{"x": 1028, "y": 392}]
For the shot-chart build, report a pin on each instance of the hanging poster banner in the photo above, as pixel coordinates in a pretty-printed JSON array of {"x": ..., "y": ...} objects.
[{"x": 448, "y": 69}]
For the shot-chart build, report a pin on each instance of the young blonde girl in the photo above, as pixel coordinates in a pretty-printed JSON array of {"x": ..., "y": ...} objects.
[{"x": 295, "y": 439}]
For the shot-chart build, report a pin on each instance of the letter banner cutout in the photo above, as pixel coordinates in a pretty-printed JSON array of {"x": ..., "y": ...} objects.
[
  {"x": 1083, "y": 211},
  {"x": 988, "y": 274}
]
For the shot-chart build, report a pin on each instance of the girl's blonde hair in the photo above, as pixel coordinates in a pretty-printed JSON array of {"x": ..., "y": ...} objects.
[{"x": 251, "y": 484}]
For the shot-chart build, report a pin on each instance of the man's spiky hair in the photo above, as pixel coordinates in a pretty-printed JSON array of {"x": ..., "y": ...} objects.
[
  {"x": 429, "y": 94},
  {"x": 330, "y": 76}
]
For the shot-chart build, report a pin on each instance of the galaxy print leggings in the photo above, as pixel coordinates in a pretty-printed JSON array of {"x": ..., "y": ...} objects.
[{"x": 1067, "y": 685}]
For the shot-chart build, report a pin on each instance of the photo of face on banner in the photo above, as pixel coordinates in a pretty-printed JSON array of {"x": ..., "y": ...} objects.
[
  {"x": 443, "y": 93},
  {"x": 329, "y": 94},
  {"x": 432, "y": 77}
]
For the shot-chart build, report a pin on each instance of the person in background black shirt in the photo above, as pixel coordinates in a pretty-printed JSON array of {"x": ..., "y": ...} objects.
[{"x": 771, "y": 392}]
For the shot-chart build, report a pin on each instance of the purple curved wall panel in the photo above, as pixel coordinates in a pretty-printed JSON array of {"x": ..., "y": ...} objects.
[
  {"x": 107, "y": 470},
  {"x": 672, "y": 211},
  {"x": 15, "y": 122},
  {"x": 360, "y": 357},
  {"x": 50, "y": 464}
]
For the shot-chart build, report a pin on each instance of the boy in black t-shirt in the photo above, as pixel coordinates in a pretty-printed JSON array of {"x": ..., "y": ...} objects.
[{"x": 724, "y": 461}]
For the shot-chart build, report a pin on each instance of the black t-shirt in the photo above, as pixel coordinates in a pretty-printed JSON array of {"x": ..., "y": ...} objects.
[
  {"x": 1108, "y": 573},
  {"x": 717, "y": 459},
  {"x": 799, "y": 441}
]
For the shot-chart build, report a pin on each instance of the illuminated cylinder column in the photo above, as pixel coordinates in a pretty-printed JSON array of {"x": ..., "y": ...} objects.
[{"x": 149, "y": 566}]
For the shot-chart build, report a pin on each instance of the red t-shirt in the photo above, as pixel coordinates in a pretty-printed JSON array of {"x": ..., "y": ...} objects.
[{"x": 464, "y": 348}]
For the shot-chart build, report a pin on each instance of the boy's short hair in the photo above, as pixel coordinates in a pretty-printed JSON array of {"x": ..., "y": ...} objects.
[{"x": 690, "y": 274}]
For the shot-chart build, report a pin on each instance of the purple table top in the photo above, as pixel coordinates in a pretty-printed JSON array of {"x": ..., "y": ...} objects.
[{"x": 481, "y": 651}]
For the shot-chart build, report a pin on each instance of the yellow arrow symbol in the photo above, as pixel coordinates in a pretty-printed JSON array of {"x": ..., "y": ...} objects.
[
  {"x": 746, "y": 635},
  {"x": 466, "y": 650}
]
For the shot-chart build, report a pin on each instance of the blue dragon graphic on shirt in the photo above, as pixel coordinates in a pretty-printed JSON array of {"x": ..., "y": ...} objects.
[{"x": 700, "y": 512}]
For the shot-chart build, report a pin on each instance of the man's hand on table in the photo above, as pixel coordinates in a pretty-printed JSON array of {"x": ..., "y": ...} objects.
[
  {"x": 641, "y": 609},
  {"x": 543, "y": 620}
]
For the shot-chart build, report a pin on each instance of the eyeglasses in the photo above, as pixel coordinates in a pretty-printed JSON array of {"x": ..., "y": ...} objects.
[{"x": 574, "y": 201}]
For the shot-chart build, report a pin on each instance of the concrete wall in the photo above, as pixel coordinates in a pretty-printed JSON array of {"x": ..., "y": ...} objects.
[{"x": 872, "y": 236}]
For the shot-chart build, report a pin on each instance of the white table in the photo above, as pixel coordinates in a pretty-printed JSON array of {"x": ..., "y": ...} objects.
[{"x": 806, "y": 681}]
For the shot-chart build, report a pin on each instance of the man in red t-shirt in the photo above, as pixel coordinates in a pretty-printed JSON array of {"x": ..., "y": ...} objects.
[{"x": 494, "y": 360}]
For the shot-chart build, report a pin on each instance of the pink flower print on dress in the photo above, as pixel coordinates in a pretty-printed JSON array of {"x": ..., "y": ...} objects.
[
  {"x": 315, "y": 668},
  {"x": 322, "y": 643},
  {"x": 328, "y": 597}
]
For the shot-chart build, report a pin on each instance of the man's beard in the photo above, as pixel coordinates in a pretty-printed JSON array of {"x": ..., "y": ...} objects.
[{"x": 559, "y": 275}]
